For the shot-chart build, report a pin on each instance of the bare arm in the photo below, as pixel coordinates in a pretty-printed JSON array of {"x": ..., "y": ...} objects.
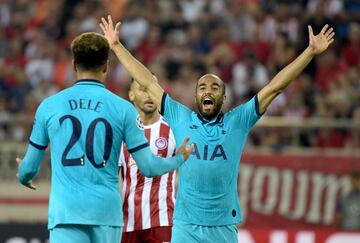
[
  {"x": 135, "y": 68},
  {"x": 317, "y": 44}
]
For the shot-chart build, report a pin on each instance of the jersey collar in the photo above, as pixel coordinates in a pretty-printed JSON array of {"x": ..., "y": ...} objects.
[
  {"x": 90, "y": 82},
  {"x": 215, "y": 120}
]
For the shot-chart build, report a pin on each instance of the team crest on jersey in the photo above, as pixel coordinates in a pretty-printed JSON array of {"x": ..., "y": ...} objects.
[
  {"x": 161, "y": 143},
  {"x": 139, "y": 123}
]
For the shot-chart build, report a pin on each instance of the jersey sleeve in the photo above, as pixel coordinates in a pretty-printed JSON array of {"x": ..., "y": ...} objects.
[
  {"x": 39, "y": 136},
  {"x": 247, "y": 114},
  {"x": 133, "y": 133},
  {"x": 172, "y": 110}
]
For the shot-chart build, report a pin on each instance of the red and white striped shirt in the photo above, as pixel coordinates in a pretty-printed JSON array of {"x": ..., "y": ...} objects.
[{"x": 149, "y": 202}]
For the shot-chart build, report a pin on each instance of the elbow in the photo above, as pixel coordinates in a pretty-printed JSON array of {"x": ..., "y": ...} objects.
[{"x": 276, "y": 89}]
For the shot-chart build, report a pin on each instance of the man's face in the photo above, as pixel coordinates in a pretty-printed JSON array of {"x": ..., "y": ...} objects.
[
  {"x": 141, "y": 99},
  {"x": 209, "y": 96}
]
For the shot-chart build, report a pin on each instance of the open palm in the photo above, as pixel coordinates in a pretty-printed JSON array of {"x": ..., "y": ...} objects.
[
  {"x": 321, "y": 41},
  {"x": 111, "y": 33}
]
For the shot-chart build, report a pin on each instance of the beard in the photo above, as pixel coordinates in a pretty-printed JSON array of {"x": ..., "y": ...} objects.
[
  {"x": 148, "y": 109},
  {"x": 209, "y": 113}
]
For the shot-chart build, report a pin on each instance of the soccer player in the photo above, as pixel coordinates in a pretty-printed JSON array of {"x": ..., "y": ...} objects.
[
  {"x": 207, "y": 207},
  {"x": 85, "y": 125},
  {"x": 148, "y": 202}
]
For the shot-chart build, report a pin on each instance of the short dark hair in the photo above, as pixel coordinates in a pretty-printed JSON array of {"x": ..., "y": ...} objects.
[{"x": 90, "y": 51}]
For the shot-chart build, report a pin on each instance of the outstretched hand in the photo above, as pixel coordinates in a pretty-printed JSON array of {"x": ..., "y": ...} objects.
[
  {"x": 29, "y": 185},
  {"x": 111, "y": 33},
  {"x": 321, "y": 41},
  {"x": 185, "y": 150}
]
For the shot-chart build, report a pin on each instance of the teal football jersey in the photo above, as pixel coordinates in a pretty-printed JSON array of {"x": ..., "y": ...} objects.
[
  {"x": 207, "y": 190},
  {"x": 85, "y": 125}
]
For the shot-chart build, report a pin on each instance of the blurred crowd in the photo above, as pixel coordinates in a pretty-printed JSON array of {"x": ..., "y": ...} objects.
[{"x": 245, "y": 42}]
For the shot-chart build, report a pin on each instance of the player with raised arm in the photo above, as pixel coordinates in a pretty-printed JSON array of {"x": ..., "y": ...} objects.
[
  {"x": 207, "y": 207},
  {"x": 148, "y": 202},
  {"x": 85, "y": 125}
]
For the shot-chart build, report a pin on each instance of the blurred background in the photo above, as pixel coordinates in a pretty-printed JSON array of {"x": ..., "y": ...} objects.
[{"x": 301, "y": 160}]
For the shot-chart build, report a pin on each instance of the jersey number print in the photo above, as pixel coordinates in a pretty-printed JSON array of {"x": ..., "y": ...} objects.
[{"x": 77, "y": 129}]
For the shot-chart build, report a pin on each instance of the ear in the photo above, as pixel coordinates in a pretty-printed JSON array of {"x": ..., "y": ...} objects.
[
  {"x": 105, "y": 67},
  {"x": 131, "y": 96},
  {"x": 74, "y": 65}
]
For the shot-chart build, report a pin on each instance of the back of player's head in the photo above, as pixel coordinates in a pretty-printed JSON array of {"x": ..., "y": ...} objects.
[{"x": 90, "y": 51}]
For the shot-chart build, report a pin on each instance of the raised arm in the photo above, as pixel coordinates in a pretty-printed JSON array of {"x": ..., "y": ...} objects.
[
  {"x": 317, "y": 44},
  {"x": 135, "y": 68}
]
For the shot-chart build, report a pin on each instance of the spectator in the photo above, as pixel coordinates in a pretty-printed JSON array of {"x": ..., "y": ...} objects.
[{"x": 348, "y": 210}]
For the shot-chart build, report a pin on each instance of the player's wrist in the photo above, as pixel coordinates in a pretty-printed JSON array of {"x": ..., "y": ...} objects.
[
  {"x": 310, "y": 51},
  {"x": 115, "y": 44}
]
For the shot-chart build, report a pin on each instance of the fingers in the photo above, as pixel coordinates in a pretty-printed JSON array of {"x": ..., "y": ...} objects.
[
  {"x": 104, "y": 23},
  {"x": 323, "y": 30},
  {"x": 18, "y": 161},
  {"x": 117, "y": 27},
  {"x": 110, "y": 22},
  {"x": 311, "y": 33},
  {"x": 190, "y": 148},
  {"x": 329, "y": 31},
  {"x": 31, "y": 186},
  {"x": 102, "y": 27},
  {"x": 330, "y": 41},
  {"x": 186, "y": 140},
  {"x": 328, "y": 38}
]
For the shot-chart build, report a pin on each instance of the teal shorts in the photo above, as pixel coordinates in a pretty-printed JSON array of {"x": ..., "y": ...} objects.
[
  {"x": 192, "y": 233},
  {"x": 76, "y": 233}
]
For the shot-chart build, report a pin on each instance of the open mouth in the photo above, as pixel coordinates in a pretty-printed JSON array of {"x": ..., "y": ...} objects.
[{"x": 208, "y": 103}]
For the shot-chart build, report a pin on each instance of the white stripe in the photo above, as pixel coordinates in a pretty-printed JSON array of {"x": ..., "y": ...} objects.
[
  {"x": 131, "y": 209},
  {"x": 124, "y": 183},
  {"x": 162, "y": 200},
  {"x": 173, "y": 186},
  {"x": 145, "y": 204}
]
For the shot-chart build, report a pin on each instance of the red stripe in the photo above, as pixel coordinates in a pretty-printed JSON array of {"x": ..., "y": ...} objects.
[
  {"x": 155, "y": 186},
  {"x": 24, "y": 201},
  {"x": 169, "y": 198},
  {"x": 127, "y": 190},
  {"x": 138, "y": 193}
]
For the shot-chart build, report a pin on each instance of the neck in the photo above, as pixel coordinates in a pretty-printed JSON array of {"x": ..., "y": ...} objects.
[
  {"x": 149, "y": 118},
  {"x": 90, "y": 75},
  {"x": 210, "y": 118}
]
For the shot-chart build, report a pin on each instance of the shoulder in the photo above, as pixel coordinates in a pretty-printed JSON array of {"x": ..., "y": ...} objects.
[
  {"x": 119, "y": 103},
  {"x": 50, "y": 102}
]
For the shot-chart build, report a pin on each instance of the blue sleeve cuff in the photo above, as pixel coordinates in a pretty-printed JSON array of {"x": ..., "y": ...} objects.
[
  {"x": 137, "y": 148},
  {"x": 40, "y": 147},
  {"x": 162, "y": 108},
  {"x": 257, "y": 106}
]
